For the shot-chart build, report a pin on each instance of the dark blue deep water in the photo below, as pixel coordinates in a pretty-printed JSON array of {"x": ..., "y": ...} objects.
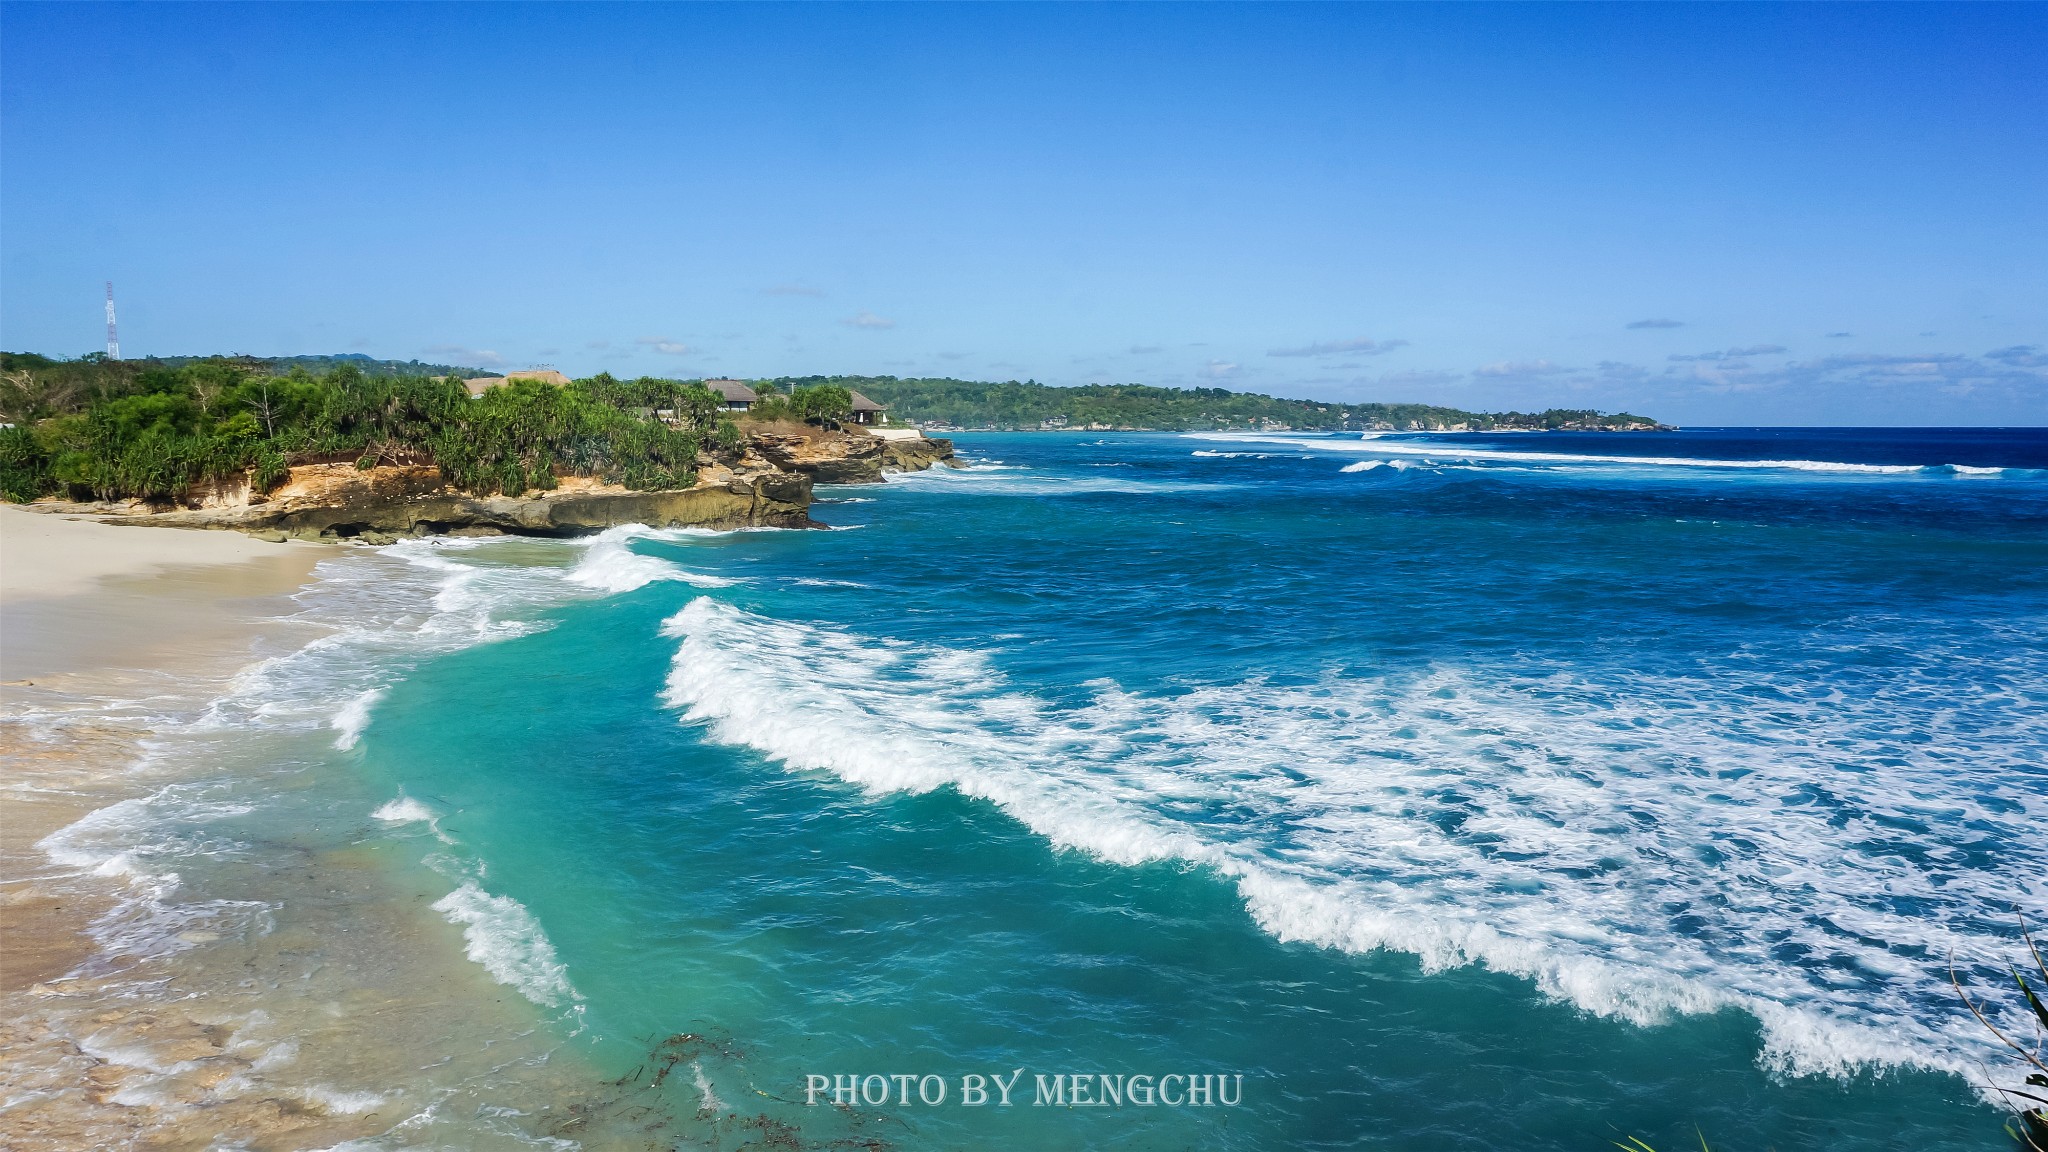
[{"x": 1456, "y": 792}]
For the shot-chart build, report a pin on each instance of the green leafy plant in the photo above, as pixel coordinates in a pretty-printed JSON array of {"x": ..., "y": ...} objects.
[
  {"x": 1633, "y": 1144},
  {"x": 822, "y": 403},
  {"x": 2029, "y": 1105}
]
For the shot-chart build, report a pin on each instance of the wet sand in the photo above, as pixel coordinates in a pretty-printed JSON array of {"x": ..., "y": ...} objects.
[
  {"x": 309, "y": 995},
  {"x": 90, "y": 612}
]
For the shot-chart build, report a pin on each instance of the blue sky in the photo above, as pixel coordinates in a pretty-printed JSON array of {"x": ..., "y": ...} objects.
[{"x": 1740, "y": 214}]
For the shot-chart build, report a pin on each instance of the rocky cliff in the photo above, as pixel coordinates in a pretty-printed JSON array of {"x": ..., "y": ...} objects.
[
  {"x": 768, "y": 482},
  {"x": 852, "y": 457}
]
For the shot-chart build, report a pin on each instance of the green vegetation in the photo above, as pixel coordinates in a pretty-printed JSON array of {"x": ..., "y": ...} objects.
[
  {"x": 818, "y": 403},
  {"x": 973, "y": 404},
  {"x": 99, "y": 429},
  {"x": 160, "y": 430},
  {"x": 2028, "y": 1125},
  {"x": 321, "y": 365}
]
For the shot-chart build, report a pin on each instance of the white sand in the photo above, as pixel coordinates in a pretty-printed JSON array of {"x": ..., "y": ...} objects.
[{"x": 43, "y": 555}]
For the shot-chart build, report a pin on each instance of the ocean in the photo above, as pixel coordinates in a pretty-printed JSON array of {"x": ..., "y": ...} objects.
[{"x": 1394, "y": 791}]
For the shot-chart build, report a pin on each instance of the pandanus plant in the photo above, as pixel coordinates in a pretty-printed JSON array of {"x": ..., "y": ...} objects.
[
  {"x": 2028, "y": 1125},
  {"x": 2029, "y": 1104}
]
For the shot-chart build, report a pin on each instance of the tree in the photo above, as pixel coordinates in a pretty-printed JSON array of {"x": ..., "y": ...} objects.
[
  {"x": 265, "y": 410},
  {"x": 822, "y": 403}
]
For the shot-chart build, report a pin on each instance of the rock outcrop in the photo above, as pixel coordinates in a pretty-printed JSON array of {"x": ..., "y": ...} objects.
[
  {"x": 852, "y": 457},
  {"x": 768, "y": 484},
  {"x": 339, "y": 500}
]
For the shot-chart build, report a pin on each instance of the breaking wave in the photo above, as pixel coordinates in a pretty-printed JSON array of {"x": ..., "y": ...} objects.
[
  {"x": 354, "y": 717},
  {"x": 1637, "y": 858},
  {"x": 1439, "y": 451},
  {"x": 503, "y": 937}
]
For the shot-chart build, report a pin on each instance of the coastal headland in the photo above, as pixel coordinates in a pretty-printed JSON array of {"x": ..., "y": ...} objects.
[
  {"x": 768, "y": 484},
  {"x": 233, "y": 443},
  {"x": 373, "y": 450}
]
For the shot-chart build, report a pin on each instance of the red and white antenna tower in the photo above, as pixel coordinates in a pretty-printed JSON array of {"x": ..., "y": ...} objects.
[{"x": 113, "y": 341}]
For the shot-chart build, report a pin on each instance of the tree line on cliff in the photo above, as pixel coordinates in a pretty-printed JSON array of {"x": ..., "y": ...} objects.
[
  {"x": 1029, "y": 404},
  {"x": 100, "y": 429}
]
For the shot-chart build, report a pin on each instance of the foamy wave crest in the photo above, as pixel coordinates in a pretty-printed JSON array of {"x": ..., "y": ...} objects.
[
  {"x": 390, "y": 609},
  {"x": 1637, "y": 858},
  {"x": 354, "y": 717},
  {"x": 404, "y": 810},
  {"x": 1395, "y": 465},
  {"x": 503, "y": 936},
  {"x": 611, "y": 566},
  {"x": 1009, "y": 480},
  {"x": 1462, "y": 453}
]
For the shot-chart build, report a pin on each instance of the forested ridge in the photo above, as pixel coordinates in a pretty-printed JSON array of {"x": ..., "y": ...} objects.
[{"x": 980, "y": 404}]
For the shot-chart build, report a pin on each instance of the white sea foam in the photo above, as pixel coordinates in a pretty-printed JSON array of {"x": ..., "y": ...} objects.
[
  {"x": 391, "y": 609},
  {"x": 1394, "y": 465},
  {"x": 1640, "y": 849},
  {"x": 610, "y": 565},
  {"x": 708, "y": 1101},
  {"x": 335, "y": 1100},
  {"x": 1460, "y": 452},
  {"x": 507, "y": 941},
  {"x": 141, "y": 842},
  {"x": 1017, "y": 481},
  {"x": 404, "y": 810},
  {"x": 354, "y": 717}
]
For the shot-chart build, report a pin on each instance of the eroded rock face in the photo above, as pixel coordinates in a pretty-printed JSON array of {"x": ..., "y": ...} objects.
[
  {"x": 395, "y": 500},
  {"x": 850, "y": 458},
  {"x": 768, "y": 485}
]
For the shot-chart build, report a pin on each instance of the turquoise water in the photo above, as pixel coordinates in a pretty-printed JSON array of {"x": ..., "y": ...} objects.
[{"x": 1453, "y": 792}]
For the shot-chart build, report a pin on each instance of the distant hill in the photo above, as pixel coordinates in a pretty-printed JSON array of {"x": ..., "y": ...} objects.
[
  {"x": 320, "y": 365},
  {"x": 1014, "y": 405}
]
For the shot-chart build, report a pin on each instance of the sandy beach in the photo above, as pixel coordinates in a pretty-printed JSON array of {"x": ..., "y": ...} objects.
[
  {"x": 94, "y": 610},
  {"x": 101, "y": 628},
  {"x": 302, "y": 1025}
]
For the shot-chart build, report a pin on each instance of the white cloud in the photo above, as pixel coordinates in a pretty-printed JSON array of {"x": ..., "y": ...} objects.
[
  {"x": 2020, "y": 356},
  {"x": 867, "y": 319},
  {"x": 1733, "y": 353},
  {"x": 1219, "y": 370},
  {"x": 477, "y": 357},
  {"x": 1519, "y": 368},
  {"x": 1359, "y": 347},
  {"x": 1419, "y": 379},
  {"x": 664, "y": 345}
]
